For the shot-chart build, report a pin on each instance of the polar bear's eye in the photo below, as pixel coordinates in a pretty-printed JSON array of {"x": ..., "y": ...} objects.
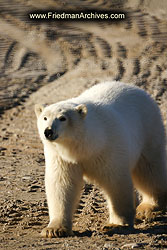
[
  {"x": 62, "y": 118},
  {"x": 45, "y": 118}
]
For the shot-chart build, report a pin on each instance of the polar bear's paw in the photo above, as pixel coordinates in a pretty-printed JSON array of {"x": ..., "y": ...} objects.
[
  {"x": 54, "y": 232},
  {"x": 145, "y": 211},
  {"x": 113, "y": 228}
]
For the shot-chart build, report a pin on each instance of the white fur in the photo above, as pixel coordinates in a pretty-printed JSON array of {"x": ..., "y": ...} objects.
[{"x": 119, "y": 142}]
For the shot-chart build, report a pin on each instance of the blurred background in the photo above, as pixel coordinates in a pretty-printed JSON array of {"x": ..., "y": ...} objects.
[{"x": 34, "y": 53}]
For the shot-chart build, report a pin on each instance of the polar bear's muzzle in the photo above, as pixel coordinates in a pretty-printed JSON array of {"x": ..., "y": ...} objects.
[{"x": 49, "y": 134}]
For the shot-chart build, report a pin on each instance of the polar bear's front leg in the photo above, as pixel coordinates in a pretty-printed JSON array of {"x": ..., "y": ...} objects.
[
  {"x": 120, "y": 198},
  {"x": 63, "y": 183}
]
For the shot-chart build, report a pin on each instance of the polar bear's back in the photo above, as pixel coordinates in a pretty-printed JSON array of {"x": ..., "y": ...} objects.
[
  {"x": 110, "y": 93},
  {"x": 131, "y": 107},
  {"x": 102, "y": 92},
  {"x": 121, "y": 97}
]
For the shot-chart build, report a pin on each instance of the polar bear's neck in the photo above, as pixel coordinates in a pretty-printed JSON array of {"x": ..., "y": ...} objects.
[
  {"x": 73, "y": 151},
  {"x": 69, "y": 152}
]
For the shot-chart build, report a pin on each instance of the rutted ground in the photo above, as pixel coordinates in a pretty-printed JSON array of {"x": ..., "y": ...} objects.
[{"x": 49, "y": 62}]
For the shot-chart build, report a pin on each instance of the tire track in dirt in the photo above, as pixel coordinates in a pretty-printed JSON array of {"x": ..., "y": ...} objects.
[{"x": 32, "y": 52}]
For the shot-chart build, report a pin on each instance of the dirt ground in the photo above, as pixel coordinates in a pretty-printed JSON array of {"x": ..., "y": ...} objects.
[{"x": 45, "y": 62}]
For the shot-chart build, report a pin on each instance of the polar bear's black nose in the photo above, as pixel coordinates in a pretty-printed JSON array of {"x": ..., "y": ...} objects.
[{"x": 48, "y": 133}]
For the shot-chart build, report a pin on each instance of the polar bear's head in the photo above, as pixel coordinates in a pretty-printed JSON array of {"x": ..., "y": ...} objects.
[{"x": 60, "y": 122}]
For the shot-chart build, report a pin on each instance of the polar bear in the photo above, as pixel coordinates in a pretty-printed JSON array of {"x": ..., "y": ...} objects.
[{"x": 112, "y": 135}]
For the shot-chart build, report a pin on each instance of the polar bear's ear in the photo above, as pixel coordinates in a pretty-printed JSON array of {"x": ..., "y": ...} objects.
[
  {"x": 82, "y": 110},
  {"x": 38, "y": 109}
]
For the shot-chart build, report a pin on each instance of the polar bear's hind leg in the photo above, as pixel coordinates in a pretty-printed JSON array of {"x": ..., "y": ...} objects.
[{"x": 150, "y": 179}]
